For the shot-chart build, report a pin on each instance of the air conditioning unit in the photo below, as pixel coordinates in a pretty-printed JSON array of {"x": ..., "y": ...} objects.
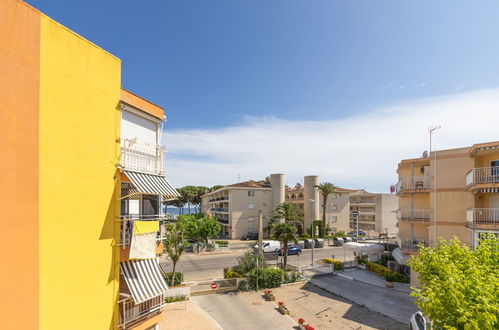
[{"x": 392, "y": 265}]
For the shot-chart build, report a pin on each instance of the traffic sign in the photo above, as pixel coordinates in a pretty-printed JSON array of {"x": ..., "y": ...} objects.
[
  {"x": 214, "y": 285},
  {"x": 355, "y": 213}
]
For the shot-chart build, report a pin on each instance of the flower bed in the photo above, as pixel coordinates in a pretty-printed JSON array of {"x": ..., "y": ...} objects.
[
  {"x": 338, "y": 265},
  {"x": 304, "y": 326},
  {"x": 283, "y": 309}
]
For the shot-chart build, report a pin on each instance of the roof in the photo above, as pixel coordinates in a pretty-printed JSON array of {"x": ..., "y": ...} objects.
[
  {"x": 142, "y": 104},
  {"x": 344, "y": 190},
  {"x": 483, "y": 146},
  {"x": 250, "y": 184}
]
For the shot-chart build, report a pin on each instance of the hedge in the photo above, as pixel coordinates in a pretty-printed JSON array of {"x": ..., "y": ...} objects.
[
  {"x": 179, "y": 278},
  {"x": 232, "y": 274},
  {"x": 384, "y": 272},
  {"x": 222, "y": 243},
  {"x": 338, "y": 265},
  {"x": 268, "y": 278}
]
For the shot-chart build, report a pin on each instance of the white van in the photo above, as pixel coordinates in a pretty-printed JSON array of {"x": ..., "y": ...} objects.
[{"x": 268, "y": 246}]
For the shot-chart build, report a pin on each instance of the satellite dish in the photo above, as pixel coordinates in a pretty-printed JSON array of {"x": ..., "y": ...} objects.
[{"x": 425, "y": 153}]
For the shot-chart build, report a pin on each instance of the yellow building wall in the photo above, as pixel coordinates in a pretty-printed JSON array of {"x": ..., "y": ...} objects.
[
  {"x": 484, "y": 160},
  {"x": 79, "y": 125}
]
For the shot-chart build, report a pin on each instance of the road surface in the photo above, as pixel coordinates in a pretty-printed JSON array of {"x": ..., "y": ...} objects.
[{"x": 208, "y": 266}]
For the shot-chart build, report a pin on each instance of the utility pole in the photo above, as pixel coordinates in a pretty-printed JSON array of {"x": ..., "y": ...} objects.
[
  {"x": 313, "y": 232},
  {"x": 260, "y": 232}
]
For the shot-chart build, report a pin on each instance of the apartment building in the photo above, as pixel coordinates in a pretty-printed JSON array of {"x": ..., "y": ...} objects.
[
  {"x": 377, "y": 212},
  {"x": 448, "y": 193},
  {"x": 309, "y": 200},
  {"x": 71, "y": 169},
  {"x": 237, "y": 206}
]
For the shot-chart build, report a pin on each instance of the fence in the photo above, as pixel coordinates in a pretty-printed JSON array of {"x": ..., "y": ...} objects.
[{"x": 222, "y": 285}]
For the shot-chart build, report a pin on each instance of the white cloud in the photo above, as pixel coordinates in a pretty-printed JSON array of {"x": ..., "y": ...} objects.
[{"x": 356, "y": 152}]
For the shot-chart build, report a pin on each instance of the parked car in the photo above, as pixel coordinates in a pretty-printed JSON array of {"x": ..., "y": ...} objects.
[
  {"x": 268, "y": 246},
  {"x": 250, "y": 236},
  {"x": 292, "y": 250},
  {"x": 361, "y": 233},
  {"x": 418, "y": 322}
]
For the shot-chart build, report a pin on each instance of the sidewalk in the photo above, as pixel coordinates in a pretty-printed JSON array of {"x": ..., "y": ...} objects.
[
  {"x": 372, "y": 279},
  {"x": 187, "y": 316}
]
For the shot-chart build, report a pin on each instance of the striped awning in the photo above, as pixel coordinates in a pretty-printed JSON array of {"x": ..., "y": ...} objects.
[
  {"x": 144, "y": 279},
  {"x": 151, "y": 184}
]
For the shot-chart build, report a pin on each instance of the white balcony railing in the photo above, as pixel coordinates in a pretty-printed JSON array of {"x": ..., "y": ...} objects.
[
  {"x": 141, "y": 157},
  {"x": 418, "y": 182},
  {"x": 414, "y": 214},
  {"x": 130, "y": 312},
  {"x": 482, "y": 216},
  {"x": 482, "y": 175},
  {"x": 412, "y": 244}
]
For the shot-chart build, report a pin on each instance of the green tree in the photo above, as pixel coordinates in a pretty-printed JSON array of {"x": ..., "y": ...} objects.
[
  {"x": 285, "y": 232},
  {"x": 247, "y": 263},
  {"x": 216, "y": 187},
  {"x": 288, "y": 212},
  {"x": 326, "y": 188},
  {"x": 200, "y": 227},
  {"x": 459, "y": 285},
  {"x": 174, "y": 244}
]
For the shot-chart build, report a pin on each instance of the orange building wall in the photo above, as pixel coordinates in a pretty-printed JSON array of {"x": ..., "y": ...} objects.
[{"x": 19, "y": 82}]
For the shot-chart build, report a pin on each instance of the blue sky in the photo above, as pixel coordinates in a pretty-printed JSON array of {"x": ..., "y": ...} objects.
[{"x": 234, "y": 66}]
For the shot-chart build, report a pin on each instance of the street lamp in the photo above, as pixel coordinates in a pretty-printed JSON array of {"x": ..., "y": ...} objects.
[{"x": 313, "y": 231}]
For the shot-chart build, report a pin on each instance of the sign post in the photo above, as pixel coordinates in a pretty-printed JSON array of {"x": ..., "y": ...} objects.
[
  {"x": 356, "y": 214},
  {"x": 214, "y": 285}
]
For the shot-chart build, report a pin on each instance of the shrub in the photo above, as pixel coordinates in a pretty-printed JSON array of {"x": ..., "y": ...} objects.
[
  {"x": 383, "y": 260},
  {"x": 394, "y": 277},
  {"x": 222, "y": 243},
  {"x": 383, "y": 271},
  {"x": 304, "y": 236},
  {"x": 179, "y": 278},
  {"x": 232, "y": 274},
  {"x": 243, "y": 286},
  {"x": 174, "y": 299},
  {"x": 292, "y": 277},
  {"x": 340, "y": 233},
  {"x": 267, "y": 278},
  {"x": 362, "y": 261},
  {"x": 338, "y": 265},
  {"x": 246, "y": 264}
]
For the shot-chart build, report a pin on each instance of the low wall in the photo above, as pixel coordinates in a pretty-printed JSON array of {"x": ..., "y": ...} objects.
[{"x": 178, "y": 291}]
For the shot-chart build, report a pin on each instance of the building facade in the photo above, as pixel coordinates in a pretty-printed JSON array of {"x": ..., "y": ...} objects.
[
  {"x": 62, "y": 167},
  {"x": 450, "y": 193},
  {"x": 377, "y": 212}
]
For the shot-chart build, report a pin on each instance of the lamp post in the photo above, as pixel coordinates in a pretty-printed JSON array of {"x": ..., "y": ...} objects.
[
  {"x": 313, "y": 231},
  {"x": 432, "y": 129}
]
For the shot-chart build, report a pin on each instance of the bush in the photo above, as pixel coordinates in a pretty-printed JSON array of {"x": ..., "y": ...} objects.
[
  {"x": 340, "y": 233},
  {"x": 394, "y": 277},
  {"x": 222, "y": 243},
  {"x": 304, "y": 236},
  {"x": 292, "y": 277},
  {"x": 243, "y": 286},
  {"x": 267, "y": 278},
  {"x": 383, "y": 260},
  {"x": 174, "y": 299},
  {"x": 383, "y": 271},
  {"x": 362, "y": 261},
  {"x": 232, "y": 274},
  {"x": 338, "y": 265},
  {"x": 246, "y": 264},
  {"x": 179, "y": 278}
]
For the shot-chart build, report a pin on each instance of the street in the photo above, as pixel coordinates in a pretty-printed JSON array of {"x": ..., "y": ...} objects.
[{"x": 207, "y": 266}]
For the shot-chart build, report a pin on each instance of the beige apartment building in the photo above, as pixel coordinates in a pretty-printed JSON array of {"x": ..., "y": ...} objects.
[
  {"x": 378, "y": 211},
  {"x": 237, "y": 206},
  {"x": 450, "y": 193}
]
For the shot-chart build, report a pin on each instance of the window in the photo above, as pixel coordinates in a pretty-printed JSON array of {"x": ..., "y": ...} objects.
[
  {"x": 334, "y": 219},
  {"x": 251, "y": 219},
  {"x": 251, "y": 193},
  {"x": 250, "y": 206},
  {"x": 150, "y": 204},
  {"x": 334, "y": 207}
]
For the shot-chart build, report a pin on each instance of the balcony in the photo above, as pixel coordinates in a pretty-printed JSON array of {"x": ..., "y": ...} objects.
[
  {"x": 131, "y": 314},
  {"x": 483, "y": 177},
  {"x": 412, "y": 244},
  {"x": 362, "y": 202},
  {"x": 418, "y": 183},
  {"x": 141, "y": 157},
  {"x": 126, "y": 225},
  {"x": 482, "y": 217},
  {"x": 422, "y": 215},
  {"x": 219, "y": 199},
  {"x": 219, "y": 210}
]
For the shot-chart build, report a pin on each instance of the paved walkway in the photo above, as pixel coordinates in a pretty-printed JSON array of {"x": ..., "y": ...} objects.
[
  {"x": 186, "y": 316},
  {"x": 244, "y": 311},
  {"x": 392, "y": 303}
]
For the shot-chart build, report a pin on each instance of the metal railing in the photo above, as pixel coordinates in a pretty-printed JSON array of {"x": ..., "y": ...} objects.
[
  {"x": 482, "y": 216},
  {"x": 141, "y": 157},
  {"x": 418, "y": 182},
  {"x": 482, "y": 175},
  {"x": 131, "y": 312},
  {"x": 414, "y": 214},
  {"x": 413, "y": 245}
]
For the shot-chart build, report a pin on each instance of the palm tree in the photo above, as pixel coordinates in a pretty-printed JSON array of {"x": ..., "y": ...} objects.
[
  {"x": 326, "y": 188},
  {"x": 288, "y": 212},
  {"x": 285, "y": 232}
]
